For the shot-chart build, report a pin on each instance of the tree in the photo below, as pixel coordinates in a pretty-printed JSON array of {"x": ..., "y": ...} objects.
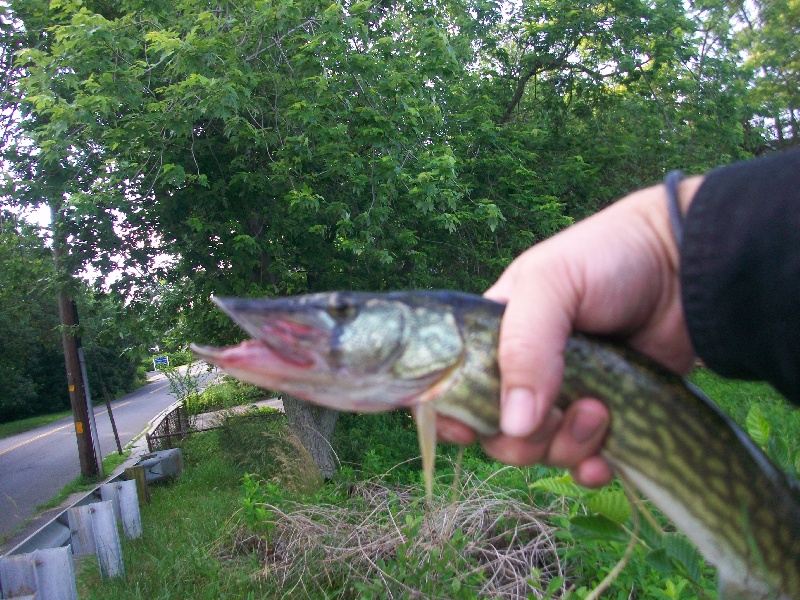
[
  {"x": 283, "y": 147},
  {"x": 769, "y": 38},
  {"x": 31, "y": 362},
  {"x": 29, "y": 345}
]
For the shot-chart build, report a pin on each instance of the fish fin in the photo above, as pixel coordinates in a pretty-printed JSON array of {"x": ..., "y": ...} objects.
[{"x": 425, "y": 416}]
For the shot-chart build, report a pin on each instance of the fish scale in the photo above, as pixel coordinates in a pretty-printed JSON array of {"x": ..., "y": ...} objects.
[{"x": 436, "y": 352}]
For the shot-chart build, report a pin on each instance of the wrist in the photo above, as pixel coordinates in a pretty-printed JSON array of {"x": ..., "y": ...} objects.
[
  {"x": 669, "y": 207},
  {"x": 687, "y": 189}
]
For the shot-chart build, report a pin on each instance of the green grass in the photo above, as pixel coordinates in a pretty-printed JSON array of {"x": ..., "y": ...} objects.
[
  {"x": 178, "y": 555},
  {"x": 228, "y": 394},
  {"x": 85, "y": 484},
  {"x": 23, "y": 425},
  {"x": 736, "y": 397},
  {"x": 761, "y": 411}
]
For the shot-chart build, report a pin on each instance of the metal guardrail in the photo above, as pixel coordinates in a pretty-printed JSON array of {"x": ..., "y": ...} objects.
[{"x": 56, "y": 532}]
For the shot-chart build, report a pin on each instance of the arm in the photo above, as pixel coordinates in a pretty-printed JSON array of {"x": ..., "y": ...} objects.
[
  {"x": 616, "y": 272},
  {"x": 740, "y": 264}
]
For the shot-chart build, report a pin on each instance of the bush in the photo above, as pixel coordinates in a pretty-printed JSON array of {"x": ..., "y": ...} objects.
[
  {"x": 385, "y": 445},
  {"x": 261, "y": 444},
  {"x": 225, "y": 395}
]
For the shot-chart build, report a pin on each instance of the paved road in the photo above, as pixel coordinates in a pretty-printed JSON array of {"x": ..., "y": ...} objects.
[{"x": 35, "y": 465}]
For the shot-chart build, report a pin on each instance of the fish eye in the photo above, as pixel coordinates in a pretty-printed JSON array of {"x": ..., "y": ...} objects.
[{"x": 342, "y": 310}]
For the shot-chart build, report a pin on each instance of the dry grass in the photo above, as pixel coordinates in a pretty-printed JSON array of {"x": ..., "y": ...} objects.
[{"x": 384, "y": 539}]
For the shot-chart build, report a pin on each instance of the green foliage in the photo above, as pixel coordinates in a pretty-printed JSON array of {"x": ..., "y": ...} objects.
[
  {"x": 176, "y": 359},
  {"x": 426, "y": 146},
  {"x": 261, "y": 444},
  {"x": 384, "y": 446},
  {"x": 32, "y": 372},
  {"x": 762, "y": 412},
  {"x": 227, "y": 394},
  {"x": 601, "y": 523},
  {"x": 184, "y": 382}
]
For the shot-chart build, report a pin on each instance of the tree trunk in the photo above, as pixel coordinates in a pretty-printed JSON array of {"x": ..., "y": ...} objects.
[{"x": 313, "y": 426}]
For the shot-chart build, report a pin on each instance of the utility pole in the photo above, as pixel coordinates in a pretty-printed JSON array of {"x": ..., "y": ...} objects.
[
  {"x": 69, "y": 340},
  {"x": 77, "y": 387},
  {"x": 89, "y": 407}
]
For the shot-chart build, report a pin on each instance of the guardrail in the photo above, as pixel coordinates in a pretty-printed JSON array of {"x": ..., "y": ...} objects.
[{"x": 42, "y": 567}]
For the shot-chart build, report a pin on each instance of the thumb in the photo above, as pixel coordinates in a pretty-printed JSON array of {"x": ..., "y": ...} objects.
[{"x": 533, "y": 334}]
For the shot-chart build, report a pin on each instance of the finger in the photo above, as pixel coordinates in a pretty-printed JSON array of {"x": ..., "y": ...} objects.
[
  {"x": 593, "y": 472},
  {"x": 533, "y": 334},
  {"x": 581, "y": 434},
  {"x": 453, "y": 431},
  {"x": 526, "y": 451}
]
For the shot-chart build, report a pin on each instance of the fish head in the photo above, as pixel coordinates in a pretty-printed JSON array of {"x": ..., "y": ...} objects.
[{"x": 344, "y": 350}]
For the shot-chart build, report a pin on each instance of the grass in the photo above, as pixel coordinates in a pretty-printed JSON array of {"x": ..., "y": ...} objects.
[
  {"x": 228, "y": 394},
  {"x": 736, "y": 397},
  {"x": 85, "y": 484},
  {"x": 762, "y": 412},
  {"x": 23, "y": 425}
]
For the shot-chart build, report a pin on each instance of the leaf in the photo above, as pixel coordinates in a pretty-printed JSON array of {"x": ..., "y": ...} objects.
[
  {"x": 610, "y": 503},
  {"x": 660, "y": 561},
  {"x": 597, "y": 527},
  {"x": 757, "y": 426},
  {"x": 359, "y": 7},
  {"x": 684, "y": 553},
  {"x": 561, "y": 485},
  {"x": 778, "y": 450}
]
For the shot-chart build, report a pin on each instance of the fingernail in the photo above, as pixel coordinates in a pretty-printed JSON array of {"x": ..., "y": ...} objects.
[
  {"x": 520, "y": 414},
  {"x": 586, "y": 425}
]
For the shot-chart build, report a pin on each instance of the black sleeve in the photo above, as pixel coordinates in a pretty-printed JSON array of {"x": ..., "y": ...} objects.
[{"x": 740, "y": 271}]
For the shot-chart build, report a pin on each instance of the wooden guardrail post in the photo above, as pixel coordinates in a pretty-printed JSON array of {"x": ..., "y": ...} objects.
[{"x": 140, "y": 477}]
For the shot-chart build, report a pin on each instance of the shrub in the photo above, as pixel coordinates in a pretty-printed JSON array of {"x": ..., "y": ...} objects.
[{"x": 224, "y": 395}]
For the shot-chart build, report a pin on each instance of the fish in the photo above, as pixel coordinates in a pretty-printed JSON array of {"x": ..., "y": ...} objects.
[{"x": 435, "y": 352}]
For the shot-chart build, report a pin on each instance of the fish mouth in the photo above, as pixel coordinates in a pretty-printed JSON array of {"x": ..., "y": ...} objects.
[
  {"x": 253, "y": 355},
  {"x": 286, "y": 339},
  {"x": 291, "y": 336}
]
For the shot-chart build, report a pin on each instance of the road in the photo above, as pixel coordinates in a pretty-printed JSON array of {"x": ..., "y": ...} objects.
[{"x": 37, "y": 464}]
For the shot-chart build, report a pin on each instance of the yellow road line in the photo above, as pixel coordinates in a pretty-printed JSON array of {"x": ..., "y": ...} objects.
[
  {"x": 46, "y": 433},
  {"x": 33, "y": 439}
]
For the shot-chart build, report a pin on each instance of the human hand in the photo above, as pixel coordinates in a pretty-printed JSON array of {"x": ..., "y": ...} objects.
[{"x": 615, "y": 272}]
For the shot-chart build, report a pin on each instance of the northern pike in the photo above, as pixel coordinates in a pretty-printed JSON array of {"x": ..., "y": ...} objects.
[{"x": 436, "y": 352}]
